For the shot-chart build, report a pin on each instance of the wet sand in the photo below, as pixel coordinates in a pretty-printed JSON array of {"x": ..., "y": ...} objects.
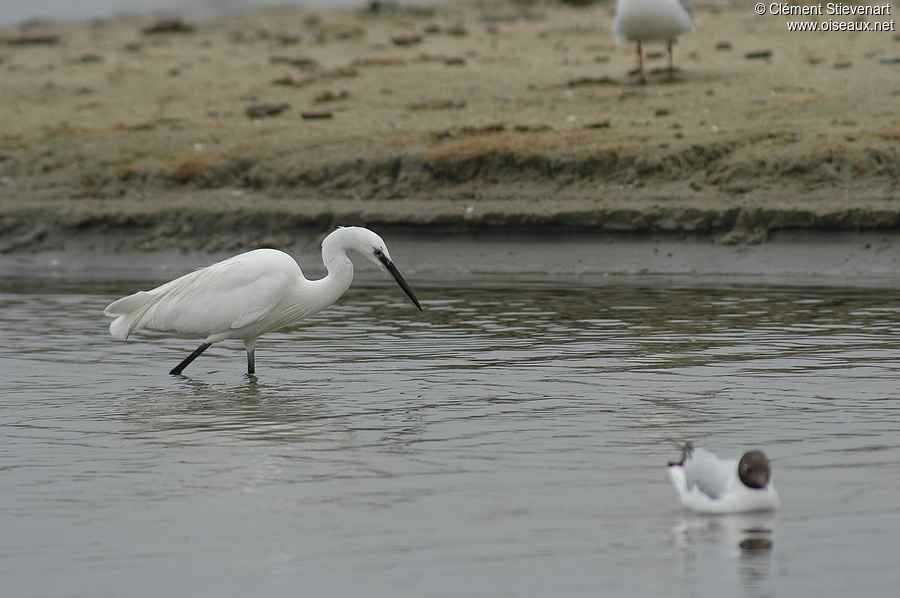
[
  {"x": 243, "y": 131},
  {"x": 522, "y": 259}
]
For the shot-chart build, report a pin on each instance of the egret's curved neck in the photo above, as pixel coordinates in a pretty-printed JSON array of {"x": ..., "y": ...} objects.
[{"x": 340, "y": 273}]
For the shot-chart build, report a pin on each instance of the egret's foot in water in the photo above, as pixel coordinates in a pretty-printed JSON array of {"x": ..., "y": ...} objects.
[{"x": 176, "y": 371}]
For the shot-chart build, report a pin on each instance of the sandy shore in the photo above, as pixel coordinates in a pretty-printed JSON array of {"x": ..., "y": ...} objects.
[{"x": 241, "y": 131}]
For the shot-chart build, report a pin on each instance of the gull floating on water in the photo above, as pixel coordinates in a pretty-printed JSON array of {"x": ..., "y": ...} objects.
[
  {"x": 707, "y": 484},
  {"x": 249, "y": 294},
  {"x": 644, "y": 21}
]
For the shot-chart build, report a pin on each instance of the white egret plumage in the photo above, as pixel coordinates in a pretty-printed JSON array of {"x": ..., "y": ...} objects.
[
  {"x": 249, "y": 294},
  {"x": 645, "y": 21},
  {"x": 707, "y": 484}
]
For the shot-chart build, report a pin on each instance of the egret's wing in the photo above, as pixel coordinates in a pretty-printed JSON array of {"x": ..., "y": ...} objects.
[
  {"x": 225, "y": 296},
  {"x": 707, "y": 473}
]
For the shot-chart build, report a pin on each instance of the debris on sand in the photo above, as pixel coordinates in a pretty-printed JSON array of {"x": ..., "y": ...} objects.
[
  {"x": 758, "y": 55},
  {"x": 377, "y": 61},
  {"x": 532, "y": 128},
  {"x": 341, "y": 72},
  {"x": 588, "y": 81},
  {"x": 287, "y": 39},
  {"x": 169, "y": 26},
  {"x": 257, "y": 111},
  {"x": 89, "y": 58},
  {"x": 288, "y": 81},
  {"x": 302, "y": 63},
  {"x": 407, "y": 40},
  {"x": 443, "y": 59},
  {"x": 457, "y": 30},
  {"x": 331, "y": 96},
  {"x": 437, "y": 105},
  {"x": 392, "y": 7},
  {"x": 31, "y": 39},
  {"x": 317, "y": 115},
  {"x": 470, "y": 131}
]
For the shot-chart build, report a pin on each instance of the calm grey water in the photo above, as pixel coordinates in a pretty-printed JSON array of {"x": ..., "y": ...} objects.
[{"x": 507, "y": 442}]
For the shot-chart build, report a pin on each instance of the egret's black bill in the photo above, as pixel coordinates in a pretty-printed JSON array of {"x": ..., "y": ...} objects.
[{"x": 398, "y": 277}]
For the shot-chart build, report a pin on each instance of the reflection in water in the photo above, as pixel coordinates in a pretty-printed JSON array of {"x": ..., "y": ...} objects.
[
  {"x": 505, "y": 438},
  {"x": 747, "y": 540},
  {"x": 249, "y": 408}
]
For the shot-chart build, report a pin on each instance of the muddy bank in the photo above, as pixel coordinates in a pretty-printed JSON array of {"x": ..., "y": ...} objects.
[
  {"x": 136, "y": 134},
  {"x": 241, "y": 221},
  {"x": 495, "y": 258}
]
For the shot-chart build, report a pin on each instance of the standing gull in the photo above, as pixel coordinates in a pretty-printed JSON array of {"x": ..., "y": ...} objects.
[
  {"x": 249, "y": 294},
  {"x": 707, "y": 484},
  {"x": 651, "y": 21}
]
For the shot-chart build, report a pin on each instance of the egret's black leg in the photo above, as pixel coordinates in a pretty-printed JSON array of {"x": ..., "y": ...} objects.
[
  {"x": 250, "y": 346},
  {"x": 187, "y": 360}
]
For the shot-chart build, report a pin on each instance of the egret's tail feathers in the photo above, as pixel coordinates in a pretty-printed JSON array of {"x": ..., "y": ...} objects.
[
  {"x": 126, "y": 305},
  {"x": 127, "y": 312},
  {"x": 120, "y": 328}
]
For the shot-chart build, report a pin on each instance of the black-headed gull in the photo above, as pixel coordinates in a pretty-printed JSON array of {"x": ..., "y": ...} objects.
[
  {"x": 707, "y": 484},
  {"x": 651, "y": 21}
]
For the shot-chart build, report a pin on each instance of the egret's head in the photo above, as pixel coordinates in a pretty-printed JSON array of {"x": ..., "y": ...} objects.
[
  {"x": 368, "y": 244},
  {"x": 754, "y": 470},
  {"x": 373, "y": 248}
]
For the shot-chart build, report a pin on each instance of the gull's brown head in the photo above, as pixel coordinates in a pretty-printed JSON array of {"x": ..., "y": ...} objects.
[{"x": 754, "y": 470}]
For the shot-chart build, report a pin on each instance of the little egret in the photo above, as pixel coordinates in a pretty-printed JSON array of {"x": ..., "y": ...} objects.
[
  {"x": 651, "y": 21},
  {"x": 249, "y": 294}
]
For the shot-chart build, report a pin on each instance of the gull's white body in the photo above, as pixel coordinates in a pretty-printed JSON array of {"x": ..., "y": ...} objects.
[
  {"x": 651, "y": 20},
  {"x": 707, "y": 484}
]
